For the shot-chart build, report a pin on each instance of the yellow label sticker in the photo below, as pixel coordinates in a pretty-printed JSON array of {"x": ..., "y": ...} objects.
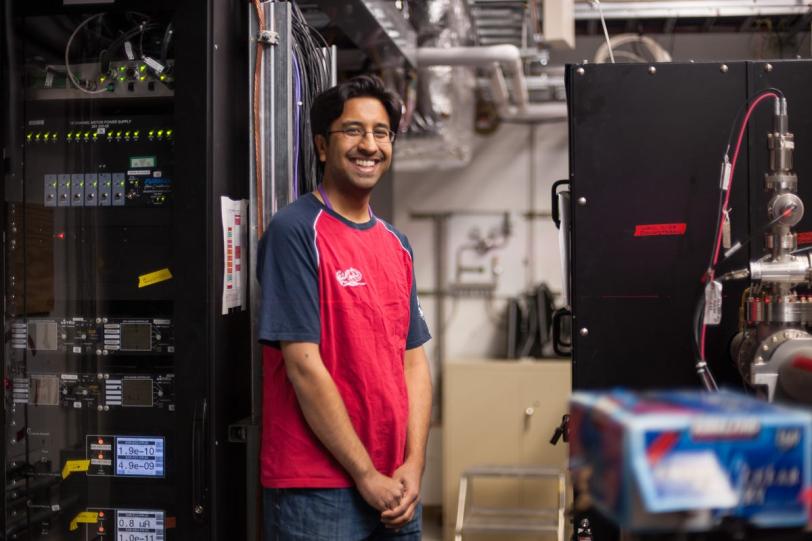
[
  {"x": 86, "y": 517},
  {"x": 154, "y": 277},
  {"x": 75, "y": 466}
]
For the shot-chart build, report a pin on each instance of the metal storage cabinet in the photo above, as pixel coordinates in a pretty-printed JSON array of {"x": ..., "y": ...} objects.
[{"x": 486, "y": 421}]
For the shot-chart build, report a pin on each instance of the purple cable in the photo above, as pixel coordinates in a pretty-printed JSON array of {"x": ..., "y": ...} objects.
[{"x": 297, "y": 98}]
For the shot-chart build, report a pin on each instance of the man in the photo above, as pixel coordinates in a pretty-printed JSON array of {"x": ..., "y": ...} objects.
[{"x": 347, "y": 391}]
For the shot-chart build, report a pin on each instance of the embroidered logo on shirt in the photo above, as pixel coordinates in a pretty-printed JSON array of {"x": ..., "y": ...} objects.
[{"x": 350, "y": 278}]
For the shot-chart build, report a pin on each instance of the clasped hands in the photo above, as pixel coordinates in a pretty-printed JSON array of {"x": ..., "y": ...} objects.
[{"x": 395, "y": 497}]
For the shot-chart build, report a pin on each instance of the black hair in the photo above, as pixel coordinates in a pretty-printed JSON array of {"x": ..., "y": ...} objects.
[{"x": 329, "y": 105}]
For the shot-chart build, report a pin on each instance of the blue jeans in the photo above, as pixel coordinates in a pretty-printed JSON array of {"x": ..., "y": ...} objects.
[{"x": 298, "y": 514}]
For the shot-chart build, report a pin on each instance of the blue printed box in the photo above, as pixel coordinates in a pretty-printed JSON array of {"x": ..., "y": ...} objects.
[{"x": 685, "y": 460}]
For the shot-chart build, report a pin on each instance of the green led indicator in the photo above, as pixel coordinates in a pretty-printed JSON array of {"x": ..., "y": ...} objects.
[
  {"x": 47, "y": 135},
  {"x": 37, "y": 136},
  {"x": 122, "y": 78},
  {"x": 152, "y": 133},
  {"x": 142, "y": 78},
  {"x": 126, "y": 135},
  {"x": 163, "y": 77},
  {"x": 169, "y": 133},
  {"x": 136, "y": 133},
  {"x": 95, "y": 136},
  {"x": 29, "y": 136},
  {"x": 70, "y": 135},
  {"x": 53, "y": 184},
  {"x": 142, "y": 68},
  {"x": 160, "y": 133},
  {"x": 121, "y": 68},
  {"x": 102, "y": 78},
  {"x": 54, "y": 136}
]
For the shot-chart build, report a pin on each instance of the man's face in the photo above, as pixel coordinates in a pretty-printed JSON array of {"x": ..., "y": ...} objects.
[{"x": 356, "y": 162}]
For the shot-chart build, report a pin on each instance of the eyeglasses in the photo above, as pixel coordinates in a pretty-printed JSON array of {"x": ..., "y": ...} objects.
[{"x": 381, "y": 135}]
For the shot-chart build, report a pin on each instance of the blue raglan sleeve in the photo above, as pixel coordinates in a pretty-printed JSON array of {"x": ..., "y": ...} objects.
[
  {"x": 287, "y": 271},
  {"x": 418, "y": 329}
]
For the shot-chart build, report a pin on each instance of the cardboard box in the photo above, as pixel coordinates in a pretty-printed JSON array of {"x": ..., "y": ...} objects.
[{"x": 686, "y": 460}]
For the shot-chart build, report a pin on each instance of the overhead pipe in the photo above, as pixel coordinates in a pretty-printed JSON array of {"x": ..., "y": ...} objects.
[{"x": 498, "y": 59}]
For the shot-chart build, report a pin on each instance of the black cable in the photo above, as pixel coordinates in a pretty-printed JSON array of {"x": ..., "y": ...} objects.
[
  {"x": 752, "y": 237},
  {"x": 106, "y": 55},
  {"x": 313, "y": 55}
]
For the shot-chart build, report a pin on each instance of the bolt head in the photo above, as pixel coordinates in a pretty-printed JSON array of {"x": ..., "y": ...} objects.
[
  {"x": 580, "y": 71},
  {"x": 584, "y": 331},
  {"x": 652, "y": 70},
  {"x": 582, "y": 201},
  {"x": 768, "y": 68},
  {"x": 723, "y": 68}
]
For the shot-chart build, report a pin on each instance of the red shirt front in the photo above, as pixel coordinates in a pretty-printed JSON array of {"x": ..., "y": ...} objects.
[{"x": 350, "y": 288}]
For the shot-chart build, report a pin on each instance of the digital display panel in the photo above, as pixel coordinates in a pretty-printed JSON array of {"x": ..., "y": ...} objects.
[
  {"x": 139, "y": 456},
  {"x": 139, "y": 525},
  {"x": 136, "y": 392},
  {"x": 136, "y": 336},
  {"x": 140, "y": 162}
]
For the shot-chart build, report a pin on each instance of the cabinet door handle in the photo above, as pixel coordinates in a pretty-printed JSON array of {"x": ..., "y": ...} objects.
[{"x": 528, "y": 414}]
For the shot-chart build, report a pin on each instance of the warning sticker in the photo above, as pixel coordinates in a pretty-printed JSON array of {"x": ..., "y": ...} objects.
[
  {"x": 75, "y": 466},
  {"x": 659, "y": 230},
  {"x": 154, "y": 277},
  {"x": 86, "y": 517},
  {"x": 805, "y": 238},
  {"x": 713, "y": 303}
]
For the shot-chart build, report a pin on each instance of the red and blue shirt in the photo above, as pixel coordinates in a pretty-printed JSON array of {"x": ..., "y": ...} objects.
[{"x": 349, "y": 288}]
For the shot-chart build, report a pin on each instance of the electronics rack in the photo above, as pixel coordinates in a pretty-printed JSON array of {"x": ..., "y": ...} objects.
[{"x": 118, "y": 386}]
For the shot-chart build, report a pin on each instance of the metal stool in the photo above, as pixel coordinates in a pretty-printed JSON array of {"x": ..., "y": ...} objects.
[{"x": 471, "y": 518}]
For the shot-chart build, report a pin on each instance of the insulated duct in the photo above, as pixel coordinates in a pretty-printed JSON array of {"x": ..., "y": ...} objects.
[
  {"x": 440, "y": 104},
  {"x": 498, "y": 59}
]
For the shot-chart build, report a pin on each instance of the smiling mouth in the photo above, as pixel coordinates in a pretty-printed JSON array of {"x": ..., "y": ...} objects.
[{"x": 365, "y": 162}]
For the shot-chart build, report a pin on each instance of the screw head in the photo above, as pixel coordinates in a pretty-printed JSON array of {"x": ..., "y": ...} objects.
[
  {"x": 652, "y": 70},
  {"x": 584, "y": 331},
  {"x": 580, "y": 71},
  {"x": 723, "y": 68},
  {"x": 768, "y": 68},
  {"x": 582, "y": 201}
]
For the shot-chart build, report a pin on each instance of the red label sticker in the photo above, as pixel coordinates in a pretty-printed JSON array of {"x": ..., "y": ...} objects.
[
  {"x": 660, "y": 230},
  {"x": 805, "y": 238}
]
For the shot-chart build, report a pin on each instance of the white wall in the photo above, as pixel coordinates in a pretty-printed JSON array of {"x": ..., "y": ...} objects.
[{"x": 499, "y": 178}]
